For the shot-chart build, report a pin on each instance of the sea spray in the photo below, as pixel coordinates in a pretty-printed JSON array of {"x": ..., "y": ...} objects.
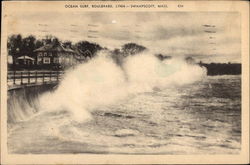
[
  {"x": 146, "y": 72},
  {"x": 98, "y": 82},
  {"x": 101, "y": 82}
]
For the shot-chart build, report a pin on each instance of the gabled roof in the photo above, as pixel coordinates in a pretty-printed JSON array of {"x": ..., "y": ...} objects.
[
  {"x": 54, "y": 47},
  {"x": 25, "y": 57}
]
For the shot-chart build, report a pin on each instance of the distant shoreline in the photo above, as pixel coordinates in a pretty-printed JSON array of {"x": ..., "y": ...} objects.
[{"x": 214, "y": 69}]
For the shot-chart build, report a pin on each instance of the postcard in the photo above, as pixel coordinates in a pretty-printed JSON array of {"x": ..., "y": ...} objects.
[{"x": 125, "y": 82}]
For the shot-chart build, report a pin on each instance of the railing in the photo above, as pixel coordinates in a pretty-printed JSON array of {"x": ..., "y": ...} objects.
[{"x": 22, "y": 78}]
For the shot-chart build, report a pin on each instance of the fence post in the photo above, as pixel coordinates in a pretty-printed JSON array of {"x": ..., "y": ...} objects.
[
  {"x": 36, "y": 77},
  {"x": 50, "y": 76},
  {"x": 14, "y": 77},
  {"x": 28, "y": 77},
  {"x": 21, "y": 76},
  {"x": 43, "y": 77},
  {"x": 57, "y": 77}
]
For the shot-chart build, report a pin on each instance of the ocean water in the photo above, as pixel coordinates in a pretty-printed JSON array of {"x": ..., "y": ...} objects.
[{"x": 203, "y": 117}]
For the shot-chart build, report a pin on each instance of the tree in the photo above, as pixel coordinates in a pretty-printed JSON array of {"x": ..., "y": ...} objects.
[
  {"x": 14, "y": 46},
  {"x": 38, "y": 44},
  {"x": 117, "y": 51},
  {"x": 28, "y": 46},
  {"x": 85, "y": 45},
  {"x": 132, "y": 49},
  {"x": 49, "y": 39},
  {"x": 117, "y": 56},
  {"x": 67, "y": 44}
]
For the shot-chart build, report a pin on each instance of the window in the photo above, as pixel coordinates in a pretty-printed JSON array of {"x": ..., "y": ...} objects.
[
  {"x": 40, "y": 54},
  {"x": 39, "y": 60},
  {"x": 56, "y": 60},
  {"x": 59, "y": 60},
  {"x": 67, "y": 60},
  {"x": 45, "y": 54},
  {"x": 46, "y": 60}
]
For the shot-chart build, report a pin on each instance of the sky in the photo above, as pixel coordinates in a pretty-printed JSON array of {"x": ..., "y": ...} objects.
[{"x": 206, "y": 36}]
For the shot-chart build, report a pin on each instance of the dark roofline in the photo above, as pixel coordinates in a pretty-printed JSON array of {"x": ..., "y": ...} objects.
[{"x": 43, "y": 48}]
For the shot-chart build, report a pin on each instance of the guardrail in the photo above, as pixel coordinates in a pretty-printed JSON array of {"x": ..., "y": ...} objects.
[{"x": 22, "y": 78}]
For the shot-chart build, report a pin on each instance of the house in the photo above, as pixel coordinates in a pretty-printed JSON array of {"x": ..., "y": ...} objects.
[
  {"x": 54, "y": 55},
  {"x": 25, "y": 61}
]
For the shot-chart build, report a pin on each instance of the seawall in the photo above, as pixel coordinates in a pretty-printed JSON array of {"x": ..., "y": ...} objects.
[{"x": 23, "y": 102}]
